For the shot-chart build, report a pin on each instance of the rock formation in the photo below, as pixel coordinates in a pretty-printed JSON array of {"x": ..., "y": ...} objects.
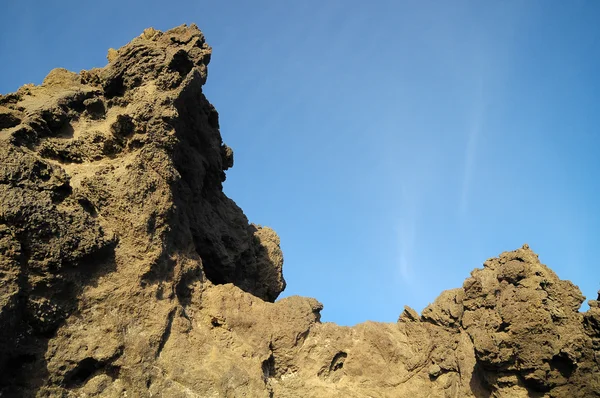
[{"x": 125, "y": 270}]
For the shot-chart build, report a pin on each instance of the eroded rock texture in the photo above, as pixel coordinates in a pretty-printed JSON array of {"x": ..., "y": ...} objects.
[{"x": 125, "y": 270}]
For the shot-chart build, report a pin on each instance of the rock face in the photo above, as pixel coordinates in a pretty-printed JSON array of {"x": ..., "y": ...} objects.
[{"x": 125, "y": 270}]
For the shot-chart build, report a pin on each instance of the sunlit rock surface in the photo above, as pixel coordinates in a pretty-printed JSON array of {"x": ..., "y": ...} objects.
[{"x": 125, "y": 270}]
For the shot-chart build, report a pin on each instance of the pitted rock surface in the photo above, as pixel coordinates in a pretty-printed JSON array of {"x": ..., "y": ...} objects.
[{"x": 126, "y": 271}]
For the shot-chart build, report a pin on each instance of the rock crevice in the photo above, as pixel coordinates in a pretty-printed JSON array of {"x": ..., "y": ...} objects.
[{"x": 125, "y": 270}]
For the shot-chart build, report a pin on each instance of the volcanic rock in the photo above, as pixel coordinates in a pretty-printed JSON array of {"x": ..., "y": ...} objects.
[{"x": 126, "y": 271}]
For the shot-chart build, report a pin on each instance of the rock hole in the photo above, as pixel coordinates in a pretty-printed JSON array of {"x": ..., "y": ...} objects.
[
  {"x": 55, "y": 119},
  {"x": 61, "y": 192},
  {"x": 113, "y": 371},
  {"x": 87, "y": 206},
  {"x": 563, "y": 364},
  {"x": 115, "y": 87},
  {"x": 24, "y": 136},
  {"x": 504, "y": 327},
  {"x": 337, "y": 362},
  {"x": 112, "y": 146},
  {"x": 83, "y": 371},
  {"x": 8, "y": 120},
  {"x": 181, "y": 63},
  {"x": 268, "y": 367},
  {"x": 545, "y": 283},
  {"x": 151, "y": 223},
  {"x": 95, "y": 108},
  {"x": 123, "y": 127}
]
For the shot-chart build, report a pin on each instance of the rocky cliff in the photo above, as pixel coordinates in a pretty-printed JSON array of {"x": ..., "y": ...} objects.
[{"x": 125, "y": 270}]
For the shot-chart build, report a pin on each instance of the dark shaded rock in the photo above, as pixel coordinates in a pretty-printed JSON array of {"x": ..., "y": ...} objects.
[{"x": 126, "y": 271}]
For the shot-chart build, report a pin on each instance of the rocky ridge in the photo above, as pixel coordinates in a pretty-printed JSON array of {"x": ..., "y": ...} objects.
[{"x": 125, "y": 270}]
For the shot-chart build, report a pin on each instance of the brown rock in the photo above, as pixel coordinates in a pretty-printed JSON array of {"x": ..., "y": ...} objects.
[
  {"x": 409, "y": 315},
  {"x": 125, "y": 270}
]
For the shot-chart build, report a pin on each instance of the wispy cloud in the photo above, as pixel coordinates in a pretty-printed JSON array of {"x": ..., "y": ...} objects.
[
  {"x": 471, "y": 145},
  {"x": 407, "y": 233},
  {"x": 406, "y": 249}
]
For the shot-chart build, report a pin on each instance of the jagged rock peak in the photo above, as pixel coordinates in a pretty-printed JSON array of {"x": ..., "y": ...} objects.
[
  {"x": 126, "y": 271},
  {"x": 144, "y": 109},
  {"x": 112, "y": 210}
]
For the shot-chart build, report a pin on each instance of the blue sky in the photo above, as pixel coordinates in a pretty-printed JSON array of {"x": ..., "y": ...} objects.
[{"x": 394, "y": 146}]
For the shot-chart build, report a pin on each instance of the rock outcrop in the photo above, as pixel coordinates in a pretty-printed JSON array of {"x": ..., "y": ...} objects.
[{"x": 125, "y": 270}]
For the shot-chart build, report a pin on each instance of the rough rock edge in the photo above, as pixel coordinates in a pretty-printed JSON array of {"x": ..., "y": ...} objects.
[{"x": 125, "y": 269}]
